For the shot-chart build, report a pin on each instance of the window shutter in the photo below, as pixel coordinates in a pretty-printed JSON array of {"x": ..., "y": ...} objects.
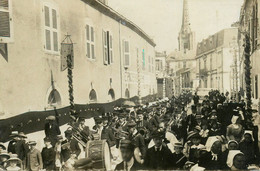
[
  {"x": 126, "y": 54},
  {"x": 104, "y": 47},
  {"x": 48, "y": 39},
  {"x": 4, "y": 24},
  {"x": 4, "y": 3},
  {"x": 108, "y": 47},
  {"x": 47, "y": 16},
  {"x": 54, "y": 19},
  {"x": 92, "y": 43},
  {"x": 111, "y": 48}
]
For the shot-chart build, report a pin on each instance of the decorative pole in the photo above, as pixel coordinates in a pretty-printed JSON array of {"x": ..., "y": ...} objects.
[
  {"x": 67, "y": 58},
  {"x": 247, "y": 63}
]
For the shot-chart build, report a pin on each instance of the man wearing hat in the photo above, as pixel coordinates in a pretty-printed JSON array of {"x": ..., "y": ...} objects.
[
  {"x": 34, "y": 158},
  {"x": 107, "y": 133},
  {"x": 13, "y": 143},
  {"x": 48, "y": 155},
  {"x": 136, "y": 138},
  {"x": 179, "y": 159},
  {"x": 22, "y": 147},
  {"x": 195, "y": 147},
  {"x": 69, "y": 146},
  {"x": 127, "y": 152},
  {"x": 140, "y": 122},
  {"x": 158, "y": 157},
  {"x": 52, "y": 129}
]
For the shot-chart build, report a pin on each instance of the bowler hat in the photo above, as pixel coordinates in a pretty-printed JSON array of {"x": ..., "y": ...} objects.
[
  {"x": 157, "y": 134},
  {"x": 14, "y": 134}
]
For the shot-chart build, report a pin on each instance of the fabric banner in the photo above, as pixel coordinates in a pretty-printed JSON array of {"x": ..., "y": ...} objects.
[{"x": 34, "y": 121}]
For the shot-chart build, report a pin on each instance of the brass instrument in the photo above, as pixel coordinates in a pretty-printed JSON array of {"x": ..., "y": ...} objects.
[
  {"x": 78, "y": 136},
  {"x": 120, "y": 134}
]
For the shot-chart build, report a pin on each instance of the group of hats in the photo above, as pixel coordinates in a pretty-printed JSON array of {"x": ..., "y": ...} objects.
[{"x": 12, "y": 157}]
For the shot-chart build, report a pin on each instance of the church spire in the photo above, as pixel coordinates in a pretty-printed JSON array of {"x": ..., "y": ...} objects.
[
  {"x": 185, "y": 34},
  {"x": 185, "y": 18}
]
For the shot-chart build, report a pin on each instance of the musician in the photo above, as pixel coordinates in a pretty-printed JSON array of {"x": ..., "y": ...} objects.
[
  {"x": 107, "y": 133},
  {"x": 179, "y": 159},
  {"x": 136, "y": 138},
  {"x": 84, "y": 130},
  {"x": 140, "y": 122},
  {"x": 69, "y": 146},
  {"x": 127, "y": 152},
  {"x": 122, "y": 123},
  {"x": 158, "y": 157}
]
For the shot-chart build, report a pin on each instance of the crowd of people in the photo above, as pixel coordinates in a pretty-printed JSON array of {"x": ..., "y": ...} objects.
[{"x": 182, "y": 133}]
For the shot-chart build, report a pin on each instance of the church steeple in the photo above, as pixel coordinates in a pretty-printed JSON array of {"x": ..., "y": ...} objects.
[{"x": 185, "y": 35}]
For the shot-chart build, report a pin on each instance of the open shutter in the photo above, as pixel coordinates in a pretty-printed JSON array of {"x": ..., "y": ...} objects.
[
  {"x": 4, "y": 19},
  {"x": 108, "y": 47},
  {"x": 111, "y": 48},
  {"x": 104, "y": 47},
  {"x": 126, "y": 54}
]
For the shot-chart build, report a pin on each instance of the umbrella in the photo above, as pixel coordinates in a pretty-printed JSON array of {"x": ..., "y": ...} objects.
[{"x": 128, "y": 103}]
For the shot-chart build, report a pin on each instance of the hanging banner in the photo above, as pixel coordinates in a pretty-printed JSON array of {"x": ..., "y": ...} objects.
[{"x": 66, "y": 49}]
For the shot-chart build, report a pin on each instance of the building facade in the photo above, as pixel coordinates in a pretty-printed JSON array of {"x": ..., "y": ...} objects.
[
  {"x": 215, "y": 60},
  {"x": 249, "y": 24},
  {"x": 113, "y": 58}
]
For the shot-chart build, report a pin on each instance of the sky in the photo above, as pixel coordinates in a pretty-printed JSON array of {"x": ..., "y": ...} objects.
[{"x": 161, "y": 19}]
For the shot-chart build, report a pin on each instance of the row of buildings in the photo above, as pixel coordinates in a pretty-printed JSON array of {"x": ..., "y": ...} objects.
[
  {"x": 212, "y": 63},
  {"x": 113, "y": 57}
]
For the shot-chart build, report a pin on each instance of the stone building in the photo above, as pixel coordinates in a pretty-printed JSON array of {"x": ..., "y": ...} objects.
[{"x": 113, "y": 57}]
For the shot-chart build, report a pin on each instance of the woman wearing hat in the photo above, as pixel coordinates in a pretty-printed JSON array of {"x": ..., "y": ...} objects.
[
  {"x": 4, "y": 156},
  {"x": 213, "y": 159},
  {"x": 247, "y": 147},
  {"x": 236, "y": 160}
]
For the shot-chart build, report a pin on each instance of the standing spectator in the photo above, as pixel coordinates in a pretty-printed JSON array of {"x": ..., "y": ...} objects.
[
  {"x": 196, "y": 99},
  {"x": 127, "y": 152},
  {"x": 235, "y": 130},
  {"x": 34, "y": 158},
  {"x": 179, "y": 159},
  {"x": 52, "y": 129},
  {"x": 13, "y": 143},
  {"x": 246, "y": 146},
  {"x": 158, "y": 157},
  {"x": 22, "y": 147},
  {"x": 48, "y": 155}
]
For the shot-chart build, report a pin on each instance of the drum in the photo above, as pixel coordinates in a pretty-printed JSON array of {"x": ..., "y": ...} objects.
[{"x": 99, "y": 152}]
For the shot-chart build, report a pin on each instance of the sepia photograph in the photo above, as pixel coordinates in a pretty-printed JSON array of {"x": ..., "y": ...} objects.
[{"x": 129, "y": 85}]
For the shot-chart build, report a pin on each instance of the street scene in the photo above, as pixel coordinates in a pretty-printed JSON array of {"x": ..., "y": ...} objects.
[{"x": 129, "y": 85}]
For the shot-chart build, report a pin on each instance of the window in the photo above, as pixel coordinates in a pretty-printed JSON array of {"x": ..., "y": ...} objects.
[
  {"x": 126, "y": 48},
  {"x": 54, "y": 98},
  {"x": 51, "y": 30},
  {"x": 5, "y": 21},
  {"x": 127, "y": 93},
  {"x": 107, "y": 40},
  {"x": 111, "y": 94},
  {"x": 90, "y": 40},
  {"x": 92, "y": 96}
]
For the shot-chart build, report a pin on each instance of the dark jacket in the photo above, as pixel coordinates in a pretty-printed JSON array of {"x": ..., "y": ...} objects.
[
  {"x": 71, "y": 147},
  {"x": 108, "y": 135},
  {"x": 48, "y": 158},
  {"x": 136, "y": 166},
  {"x": 178, "y": 161},
  {"x": 139, "y": 142},
  {"x": 12, "y": 146},
  {"x": 51, "y": 131},
  {"x": 158, "y": 160},
  {"x": 207, "y": 162}
]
